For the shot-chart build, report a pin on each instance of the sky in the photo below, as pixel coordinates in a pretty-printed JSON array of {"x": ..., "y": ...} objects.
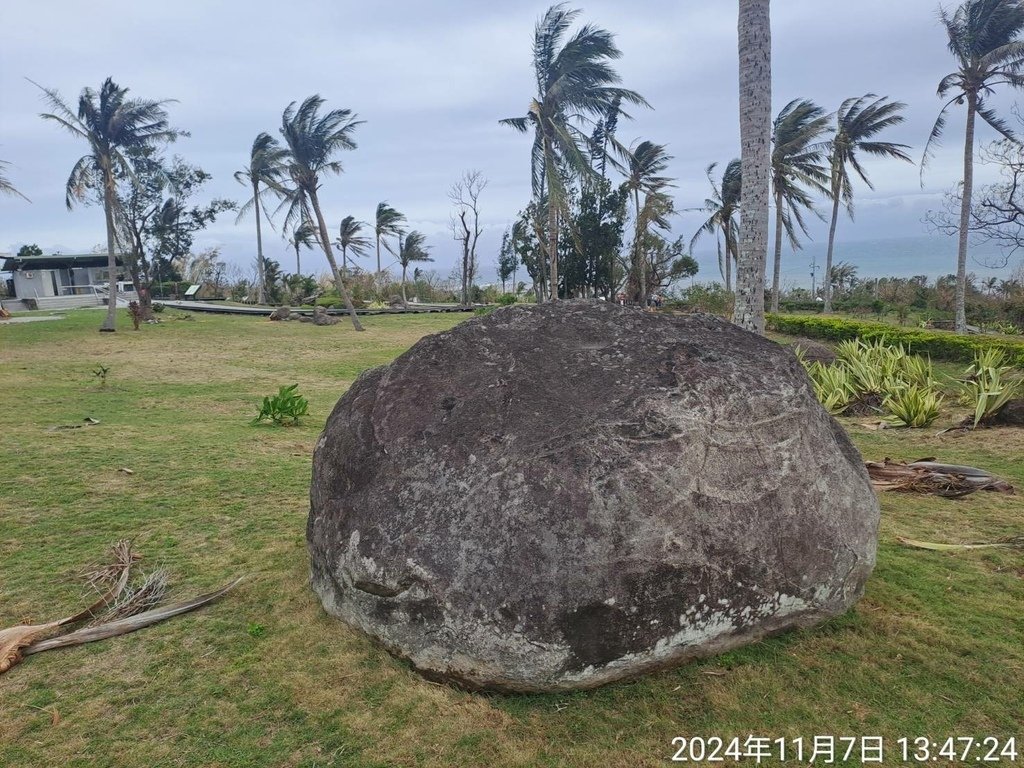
[{"x": 431, "y": 80}]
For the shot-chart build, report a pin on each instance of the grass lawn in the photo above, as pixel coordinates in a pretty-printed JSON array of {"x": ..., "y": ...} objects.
[{"x": 265, "y": 678}]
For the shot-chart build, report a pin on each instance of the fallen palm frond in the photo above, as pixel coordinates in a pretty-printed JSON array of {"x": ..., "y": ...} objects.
[
  {"x": 120, "y": 609},
  {"x": 14, "y": 641},
  {"x": 136, "y": 599},
  {"x": 1012, "y": 542},
  {"x": 927, "y": 476},
  {"x": 130, "y": 623}
]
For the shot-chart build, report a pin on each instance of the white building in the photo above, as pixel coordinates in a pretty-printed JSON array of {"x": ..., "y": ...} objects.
[{"x": 59, "y": 281}]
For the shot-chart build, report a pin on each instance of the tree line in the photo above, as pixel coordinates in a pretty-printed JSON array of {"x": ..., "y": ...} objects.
[{"x": 599, "y": 219}]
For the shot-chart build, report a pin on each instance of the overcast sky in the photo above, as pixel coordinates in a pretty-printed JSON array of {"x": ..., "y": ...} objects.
[{"x": 431, "y": 80}]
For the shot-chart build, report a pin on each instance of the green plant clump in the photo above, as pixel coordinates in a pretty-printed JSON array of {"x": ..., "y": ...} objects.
[
  {"x": 989, "y": 384},
  {"x": 286, "y": 407}
]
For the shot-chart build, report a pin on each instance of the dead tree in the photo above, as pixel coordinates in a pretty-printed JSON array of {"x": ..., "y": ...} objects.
[{"x": 465, "y": 223}]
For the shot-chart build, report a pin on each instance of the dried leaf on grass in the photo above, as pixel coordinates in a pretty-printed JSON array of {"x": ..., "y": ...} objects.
[
  {"x": 120, "y": 610},
  {"x": 930, "y": 477},
  {"x": 1012, "y": 542}
]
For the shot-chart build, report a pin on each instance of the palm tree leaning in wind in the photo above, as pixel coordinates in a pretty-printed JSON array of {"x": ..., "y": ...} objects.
[
  {"x": 411, "y": 249},
  {"x": 755, "y": 64},
  {"x": 262, "y": 174},
  {"x": 6, "y": 187},
  {"x": 313, "y": 140},
  {"x": 723, "y": 206},
  {"x": 797, "y": 171},
  {"x": 575, "y": 81},
  {"x": 303, "y": 236},
  {"x": 983, "y": 36},
  {"x": 351, "y": 238},
  {"x": 644, "y": 166},
  {"x": 387, "y": 223},
  {"x": 114, "y": 126},
  {"x": 858, "y": 120}
]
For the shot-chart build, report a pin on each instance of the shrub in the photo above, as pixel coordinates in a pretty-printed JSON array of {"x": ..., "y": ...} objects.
[
  {"x": 936, "y": 344},
  {"x": 831, "y": 386},
  {"x": 913, "y": 406},
  {"x": 284, "y": 407},
  {"x": 989, "y": 385},
  {"x": 507, "y": 299}
]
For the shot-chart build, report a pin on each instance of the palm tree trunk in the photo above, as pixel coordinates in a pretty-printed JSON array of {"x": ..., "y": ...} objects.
[
  {"x": 298, "y": 262},
  {"x": 553, "y": 248},
  {"x": 344, "y": 261},
  {"x": 405, "y": 302},
  {"x": 638, "y": 270},
  {"x": 261, "y": 293},
  {"x": 827, "y": 281},
  {"x": 110, "y": 321},
  {"x": 755, "y": 44},
  {"x": 777, "y": 269},
  {"x": 325, "y": 242},
  {"x": 730, "y": 249},
  {"x": 960, "y": 300}
]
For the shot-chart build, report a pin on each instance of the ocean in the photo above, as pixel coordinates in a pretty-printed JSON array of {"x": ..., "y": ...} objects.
[{"x": 933, "y": 256}]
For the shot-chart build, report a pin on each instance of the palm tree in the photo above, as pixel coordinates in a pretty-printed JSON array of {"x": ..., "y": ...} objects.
[
  {"x": 388, "y": 223},
  {"x": 755, "y": 59},
  {"x": 6, "y": 187},
  {"x": 312, "y": 141},
  {"x": 796, "y": 171},
  {"x": 575, "y": 81},
  {"x": 114, "y": 126},
  {"x": 350, "y": 238},
  {"x": 723, "y": 205},
  {"x": 303, "y": 236},
  {"x": 263, "y": 170},
  {"x": 644, "y": 166},
  {"x": 410, "y": 250},
  {"x": 983, "y": 39},
  {"x": 858, "y": 120}
]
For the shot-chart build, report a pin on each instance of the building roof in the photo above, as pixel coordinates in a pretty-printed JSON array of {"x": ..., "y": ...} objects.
[{"x": 56, "y": 261}]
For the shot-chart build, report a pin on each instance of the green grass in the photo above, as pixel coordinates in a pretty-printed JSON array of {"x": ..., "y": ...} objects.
[{"x": 265, "y": 678}]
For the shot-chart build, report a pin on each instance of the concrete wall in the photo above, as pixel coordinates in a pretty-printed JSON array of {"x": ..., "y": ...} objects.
[{"x": 39, "y": 284}]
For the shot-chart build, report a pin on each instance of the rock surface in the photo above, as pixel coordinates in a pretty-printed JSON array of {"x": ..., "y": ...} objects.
[{"x": 554, "y": 497}]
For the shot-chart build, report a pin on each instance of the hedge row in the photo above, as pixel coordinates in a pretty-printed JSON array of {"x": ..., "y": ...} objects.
[{"x": 939, "y": 345}]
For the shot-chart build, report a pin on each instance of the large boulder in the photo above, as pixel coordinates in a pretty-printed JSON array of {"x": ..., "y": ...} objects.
[{"x": 554, "y": 497}]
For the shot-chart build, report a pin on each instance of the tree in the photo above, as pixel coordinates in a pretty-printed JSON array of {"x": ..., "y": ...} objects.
[
  {"x": 575, "y": 80},
  {"x": 983, "y": 38},
  {"x": 723, "y": 206},
  {"x": 313, "y": 140},
  {"x": 465, "y": 223},
  {"x": 858, "y": 121},
  {"x": 113, "y": 125},
  {"x": 412, "y": 249},
  {"x": 154, "y": 218},
  {"x": 303, "y": 236},
  {"x": 755, "y": 54},
  {"x": 997, "y": 210},
  {"x": 797, "y": 170},
  {"x": 263, "y": 174},
  {"x": 28, "y": 251},
  {"x": 6, "y": 187},
  {"x": 351, "y": 238},
  {"x": 506, "y": 266},
  {"x": 644, "y": 166},
  {"x": 387, "y": 223}
]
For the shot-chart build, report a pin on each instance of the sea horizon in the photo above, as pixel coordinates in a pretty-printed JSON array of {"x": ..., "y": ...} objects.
[{"x": 930, "y": 255}]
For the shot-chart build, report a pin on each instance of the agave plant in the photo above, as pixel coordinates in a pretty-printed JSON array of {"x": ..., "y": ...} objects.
[
  {"x": 989, "y": 384},
  {"x": 832, "y": 386},
  {"x": 913, "y": 406}
]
